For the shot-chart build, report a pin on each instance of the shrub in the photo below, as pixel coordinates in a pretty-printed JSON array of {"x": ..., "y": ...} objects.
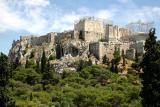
[{"x": 29, "y": 76}]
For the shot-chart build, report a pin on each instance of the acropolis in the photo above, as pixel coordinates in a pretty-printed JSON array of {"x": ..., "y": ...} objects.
[{"x": 90, "y": 37}]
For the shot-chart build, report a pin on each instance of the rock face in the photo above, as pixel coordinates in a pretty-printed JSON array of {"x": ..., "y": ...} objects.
[
  {"x": 90, "y": 37},
  {"x": 23, "y": 48}
]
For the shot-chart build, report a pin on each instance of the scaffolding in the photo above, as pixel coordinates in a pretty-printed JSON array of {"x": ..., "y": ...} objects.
[{"x": 139, "y": 26}]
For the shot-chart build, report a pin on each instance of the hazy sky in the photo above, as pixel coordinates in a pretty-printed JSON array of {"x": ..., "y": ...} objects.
[{"x": 23, "y": 17}]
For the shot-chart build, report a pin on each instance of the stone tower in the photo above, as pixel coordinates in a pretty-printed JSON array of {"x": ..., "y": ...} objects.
[{"x": 91, "y": 29}]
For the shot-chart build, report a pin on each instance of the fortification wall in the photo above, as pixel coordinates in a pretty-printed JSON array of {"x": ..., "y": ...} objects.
[
  {"x": 51, "y": 37},
  {"x": 23, "y": 38},
  {"x": 93, "y": 36},
  {"x": 114, "y": 33},
  {"x": 98, "y": 49},
  {"x": 94, "y": 49},
  {"x": 130, "y": 53},
  {"x": 109, "y": 33},
  {"x": 90, "y": 30},
  {"x": 64, "y": 37},
  {"x": 37, "y": 41},
  {"x": 76, "y": 35},
  {"x": 79, "y": 26},
  {"x": 94, "y": 26}
]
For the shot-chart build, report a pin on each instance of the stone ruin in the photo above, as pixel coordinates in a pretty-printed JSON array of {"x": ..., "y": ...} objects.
[{"x": 90, "y": 37}]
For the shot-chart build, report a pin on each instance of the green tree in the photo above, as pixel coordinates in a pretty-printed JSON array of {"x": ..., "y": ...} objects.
[
  {"x": 32, "y": 54},
  {"x": 89, "y": 62},
  {"x": 37, "y": 66},
  {"x": 112, "y": 68},
  {"x": 105, "y": 60},
  {"x": 151, "y": 68},
  {"x": 115, "y": 60},
  {"x": 27, "y": 75},
  {"x": 43, "y": 62},
  {"x": 30, "y": 63},
  {"x": 116, "y": 55},
  {"x": 82, "y": 64},
  {"x": 52, "y": 57},
  {"x": 123, "y": 58},
  {"x": 5, "y": 99},
  {"x": 49, "y": 76},
  {"x": 136, "y": 56},
  {"x": 15, "y": 63}
]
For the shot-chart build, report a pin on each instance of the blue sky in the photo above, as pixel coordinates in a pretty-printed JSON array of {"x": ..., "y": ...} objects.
[{"x": 38, "y": 17}]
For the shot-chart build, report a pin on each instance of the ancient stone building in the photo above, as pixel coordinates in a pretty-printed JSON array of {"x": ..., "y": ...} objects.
[
  {"x": 90, "y": 36},
  {"x": 114, "y": 33},
  {"x": 90, "y": 29}
]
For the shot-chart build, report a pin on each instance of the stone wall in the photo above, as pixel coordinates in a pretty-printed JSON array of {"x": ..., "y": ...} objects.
[
  {"x": 89, "y": 24},
  {"x": 64, "y": 36},
  {"x": 94, "y": 49},
  {"x": 113, "y": 33},
  {"x": 90, "y": 29},
  {"x": 38, "y": 41},
  {"x": 98, "y": 49},
  {"x": 109, "y": 33},
  {"x": 76, "y": 35},
  {"x": 51, "y": 37},
  {"x": 79, "y": 26},
  {"x": 89, "y": 35},
  {"x": 130, "y": 53},
  {"x": 92, "y": 36},
  {"x": 140, "y": 47}
]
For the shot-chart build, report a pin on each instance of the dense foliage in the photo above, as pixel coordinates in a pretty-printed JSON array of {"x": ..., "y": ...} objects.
[
  {"x": 151, "y": 68},
  {"x": 5, "y": 71},
  {"x": 93, "y": 86}
]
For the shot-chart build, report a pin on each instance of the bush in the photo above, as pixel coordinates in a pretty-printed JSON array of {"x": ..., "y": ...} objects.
[
  {"x": 29, "y": 76},
  {"x": 52, "y": 57},
  {"x": 37, "y": 87}
]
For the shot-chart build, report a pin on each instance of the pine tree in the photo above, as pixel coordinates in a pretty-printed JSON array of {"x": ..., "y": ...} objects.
[
  {"x": 48, "y": 76},
  {"x": 37, "y": 66},
  {"x": 16, "y": 63},
  {"x": 43, "y": 62},
  {"x": 105, "y": 60},
  {"x": 81, "y": 65},
  {"x": 115, "y": 60},
  {"x": 89, "y": 62},
  {"x": 151, "y": 68},
  {"x": 112, "y": 68},
  {"x": 32, "y": 54},
  {"x": 116, "y": 55},
  {"x": 123, "y": 58},
  {"x": 5, "y": 99},
  {"x": 136, "y": 56},
  {"x": 31, "y": 97},
  {"x": 27, "y": 64}
]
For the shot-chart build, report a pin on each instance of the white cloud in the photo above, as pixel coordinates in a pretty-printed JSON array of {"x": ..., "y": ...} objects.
[
  {"x": 124, "y": 1},
  {"x": 104, "y": 14},
  {"x": 34, "y": 16},
  {"x": 145, "y": 14},
  {"x": 42, "y": 3},
  {"x": 9, "y": 19},
  {"x": 66, "y": 21},
  {"x": 29, "y": 19}
]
